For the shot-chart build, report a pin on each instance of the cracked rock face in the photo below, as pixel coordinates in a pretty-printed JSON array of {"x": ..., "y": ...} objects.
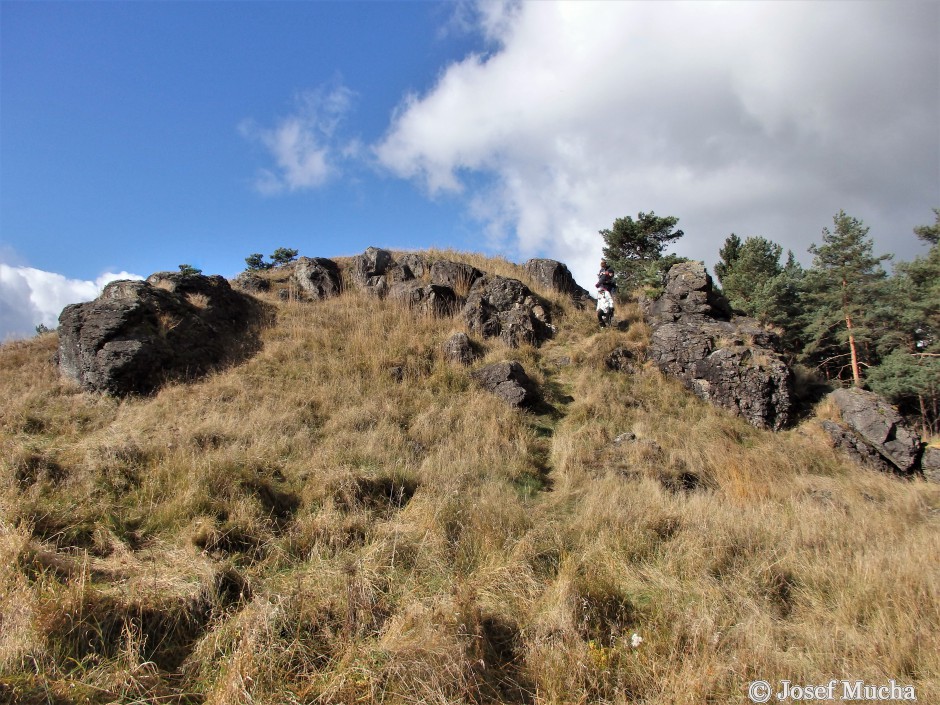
[
  {"x": 508, "y": 381},
  {"x": 317, "y": 277},
  {"x": 137, "y": 334},
  {"x": 433, "y": 299},
  {"x": 730, "y": 361},
  {"x": 873, "y": 432},
  {"x": 553, "y": 275},
  {"x": 504, "y": 308}
]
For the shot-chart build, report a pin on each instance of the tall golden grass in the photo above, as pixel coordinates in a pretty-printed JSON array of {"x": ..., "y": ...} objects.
[{"x": 310, "y": 527}]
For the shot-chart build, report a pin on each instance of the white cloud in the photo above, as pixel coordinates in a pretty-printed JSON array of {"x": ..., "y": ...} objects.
[
  {"x": 759, "y": 118},
  {"x": 304, "y": 145},
  {"x": 30, "y": 297}
]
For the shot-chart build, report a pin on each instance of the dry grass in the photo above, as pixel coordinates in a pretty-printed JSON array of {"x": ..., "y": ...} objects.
[{"x": 309, "y": 527}]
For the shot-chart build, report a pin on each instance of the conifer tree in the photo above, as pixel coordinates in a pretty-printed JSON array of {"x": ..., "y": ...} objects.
[
  {"x": 909, "y": 373},
  {"x": 842, "y": 288},
  {"x": 755, "y": 282},
  {"x": 634, "y": 249},
  {"x": 729, "y": 254},
  {"x": 283, "y": 255}
]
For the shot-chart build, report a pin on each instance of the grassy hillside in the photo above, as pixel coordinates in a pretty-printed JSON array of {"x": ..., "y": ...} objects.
[{"x": 306, "y": 528}]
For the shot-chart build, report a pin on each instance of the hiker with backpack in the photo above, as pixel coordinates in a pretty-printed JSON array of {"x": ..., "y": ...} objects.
[{"x": 605, "y": 278}]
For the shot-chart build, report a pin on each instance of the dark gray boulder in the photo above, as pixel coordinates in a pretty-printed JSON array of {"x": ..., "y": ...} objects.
[
  {"x": 369, "y": 269},
  {"x": 415, "y": 263},
  {"x": 457, "y": 275},
  {"x": 555, "y": 276},
  {"x": 506, "y": 308},
  {"x": 730, "y": 361},
  {"x": 508, "y": 381},
  {"x": 317, "y": 277},
  {"x": 458, "y": 348},
  {"x": 873, "y": 432},
  {"x": 428, "y": 298},
  {"x": 251, "y": 282},
  {"x": 930, "y": 464},
  {"x": 137, "y": 334}
]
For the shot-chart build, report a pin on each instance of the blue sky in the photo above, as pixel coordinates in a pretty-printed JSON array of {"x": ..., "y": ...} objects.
[{"x": 138, "y": 136}]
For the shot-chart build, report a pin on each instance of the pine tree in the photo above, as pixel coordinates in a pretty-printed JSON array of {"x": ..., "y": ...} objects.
[
  {"x": 844, "y": 283},
  {"x": 634, "y": 249},
  {"x": 909, "y": 373},
  {"x": 755, "y": 264},
  {"x": 729, "y": 254},
  {"x": 256, "y": 262},
  {"x": 283, "y": 255},
  {"x": 930, "y": 233},
  {"x": 755, "y": 282}
]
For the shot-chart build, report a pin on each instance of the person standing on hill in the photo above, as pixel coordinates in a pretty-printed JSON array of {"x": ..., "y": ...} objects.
[{"x": 605, "y": 307}]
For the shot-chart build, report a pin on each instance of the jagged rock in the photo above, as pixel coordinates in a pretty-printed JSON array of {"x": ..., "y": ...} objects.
[
  {"x": 689, "y": 294},
  {"x": 398, "y": 273},
  {"x": 368, "y": 270},
  {"x": 457, "y": 275},
  {"x": 458, "y": 348},
  {"x": 930, "y": 464},
  {"x": 553, "y": 275},
  {"x": 431, "y": 298},
  {"x": 849, "y": 442},
  {"x": 251, "y": 282},
  {"x": 509, "y": 381},
  {"x": 506, "y": 308},
  {"x": 874, "y": 432},
  {"x": 415, "y": 263},
  {"x": 136, "y": 334},
  {"x": 317, "y": 277},
  {"x": 727, "y": 360}
]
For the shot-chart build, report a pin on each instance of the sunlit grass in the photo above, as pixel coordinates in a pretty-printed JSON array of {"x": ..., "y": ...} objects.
[{"x": 311, "y": 527}]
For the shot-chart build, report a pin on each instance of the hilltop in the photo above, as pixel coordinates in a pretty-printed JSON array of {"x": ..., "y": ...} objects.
[{"x": 341, "y": 513}]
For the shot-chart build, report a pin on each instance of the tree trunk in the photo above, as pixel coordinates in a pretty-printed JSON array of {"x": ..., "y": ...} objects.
[
  {"x": 856, "y": 377},
  {"x": 923, "y": 416}
]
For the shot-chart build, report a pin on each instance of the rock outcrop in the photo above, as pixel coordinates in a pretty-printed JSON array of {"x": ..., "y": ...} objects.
[
  {"x": 874, "y": 433},
  {"x": 458, "y": 348},
  {"x": 508, "y": 381},
  {"x": 251, "y": 282},
  {"x": 555, "y": 276},
  {"x": 368, "y": 270},
  {"x": 137, "y": 334},
  {"x": 730, "y": 361},
  {"x": 430, "y": 298},
  {"x": 317, "y": 277},
  {"x": 506, "y": 308},
  {"x": 456, "y": 275}
]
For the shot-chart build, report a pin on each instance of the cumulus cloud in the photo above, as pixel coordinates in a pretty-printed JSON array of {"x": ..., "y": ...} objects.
[
  {"x": 758, "y": 118},
  {"x": 304, "y": 145},
  {"x": 31, "y": 297}
]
